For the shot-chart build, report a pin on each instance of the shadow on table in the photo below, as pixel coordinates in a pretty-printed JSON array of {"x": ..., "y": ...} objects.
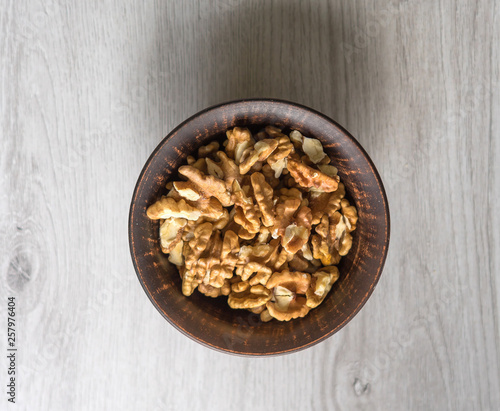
[
  {"x": 290, "y": 49},
  {"x": 307, "y": 52}
]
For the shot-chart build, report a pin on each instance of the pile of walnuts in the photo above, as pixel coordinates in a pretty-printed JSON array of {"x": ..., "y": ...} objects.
[{"x": 263, "y": 221}]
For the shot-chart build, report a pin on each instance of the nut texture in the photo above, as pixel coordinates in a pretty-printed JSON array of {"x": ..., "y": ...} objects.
[{"x": 263, "y": 222}]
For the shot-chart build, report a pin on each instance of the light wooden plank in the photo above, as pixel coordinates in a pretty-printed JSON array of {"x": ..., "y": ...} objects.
[{"x": 88, "y": 89}]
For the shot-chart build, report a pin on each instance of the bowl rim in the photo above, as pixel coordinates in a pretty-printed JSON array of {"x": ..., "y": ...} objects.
[{"x": 365, "y": 155}]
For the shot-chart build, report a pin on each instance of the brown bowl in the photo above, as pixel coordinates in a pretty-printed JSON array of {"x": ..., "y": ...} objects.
[{"x": 210, "y": 321}]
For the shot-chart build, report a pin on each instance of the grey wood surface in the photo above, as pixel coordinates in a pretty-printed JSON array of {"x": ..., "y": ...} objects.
[{"x": 89, "y": 88}]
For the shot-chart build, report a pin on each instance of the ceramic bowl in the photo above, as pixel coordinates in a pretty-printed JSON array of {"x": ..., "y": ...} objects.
[{"x": 210, "y": 321}]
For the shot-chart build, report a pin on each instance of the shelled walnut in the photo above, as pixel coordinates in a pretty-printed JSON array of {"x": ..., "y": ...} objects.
[{"x": 261, "y": 219}]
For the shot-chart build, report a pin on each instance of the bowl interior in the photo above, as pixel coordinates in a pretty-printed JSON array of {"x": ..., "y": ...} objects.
[{"x": 211, "y": 321}]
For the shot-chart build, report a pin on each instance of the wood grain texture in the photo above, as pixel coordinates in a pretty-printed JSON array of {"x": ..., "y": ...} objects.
[{"x": 88, "y": 89}]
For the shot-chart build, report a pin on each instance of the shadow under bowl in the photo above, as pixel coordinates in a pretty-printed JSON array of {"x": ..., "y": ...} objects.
[{"x": 210, "y": 321}]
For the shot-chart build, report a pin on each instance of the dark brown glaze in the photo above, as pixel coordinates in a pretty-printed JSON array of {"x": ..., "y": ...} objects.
[{"x": 211, "y": 321}]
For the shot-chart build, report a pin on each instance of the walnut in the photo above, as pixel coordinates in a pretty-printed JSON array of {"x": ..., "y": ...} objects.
[
  {"x": 260, "y": 152},
  {"x": 252, "y": 297},
  {"x": 350, "y": 214},
  {"x": 333, "y": 240},
  {"x": 303, "y": 217},
  {"x": 256, "y": 167},
  {"x": 313, "y": 149},
  {"x": 297, "y": 234},
  {"x": 211, "y": 209},
  {"x": 192, "y": 251},
  {"x": 296, "y": 138},
  {"x": 239, "y": 139},
  {"x": 265, "y": 316},
  {"x": 188, "y": 232},
  {"x": 297, "y": 282},
  {"x": 322, "y": 203},
  {"x": 246, "y": 212},
  {"x": 339, "y": 232},
  {"x": 229, "y": 168},
  {"x": 171, "y": 233},
  {"x": 206, "y": 185},
  {"x": 262, "y": 220},
  {"x": 280, "y": 260},
  {"x": 322, "y": 251},
  {"x": 321, "y": 285},
  {"x": 264, "y": 254},
  {"x": 308, "y": 177},
  {"x": 328, "y": 170},
  {"x": 306, "y": 252},
  {"x": 324, "y": 242},
  {"x": 299, "y": 263},
  {"x": 257, "y": 310},
  {"x": 290, "y": 193},
  {"x": 269, "y": 173},
  {"x": 201, "y": 165},
  {"x": 215, "y": 272},
  {"x": 230, "y": 247},
  {"x": 167, "y": 208},
  {"x": 173, "y": 193},
  {"x": 205, "y": 151},
  {"x": 264, "y": 235},
  {"x": 209, "y": 290},
  {"x": 175, "y": 256},
  {"x": 231, "y": 225},
  {"x": 244, "y": 233},
  {"x": 263, "y": 193},
  {"x": 187, "y": 190},
  {"x": 278, "y": 159},
  {"x": 261, "y": 135},
  {"x": 289, "y": 181},
  {"x": 279, "y": 167},
  {"x": 287, "y": 288},
  {"x": 262, "y": 273},
  {"x": 226, "y": 287},
  {"x": 219, "y": 222},
  {"x": 295, "y": 238},
  {"x": 214, "y": 169},
  {"x": 285, "y": 209},
  {"x": 225, "y": 169},
  {"x": 222, "y": 258},
  {"x": 240, "y": 286},
  {"x": 273, "y": 132},
  {"x": 335, "y": 198}
]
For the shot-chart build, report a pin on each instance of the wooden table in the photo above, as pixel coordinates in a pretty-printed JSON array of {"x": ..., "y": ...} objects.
[{"x": 89, "y": 88}]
